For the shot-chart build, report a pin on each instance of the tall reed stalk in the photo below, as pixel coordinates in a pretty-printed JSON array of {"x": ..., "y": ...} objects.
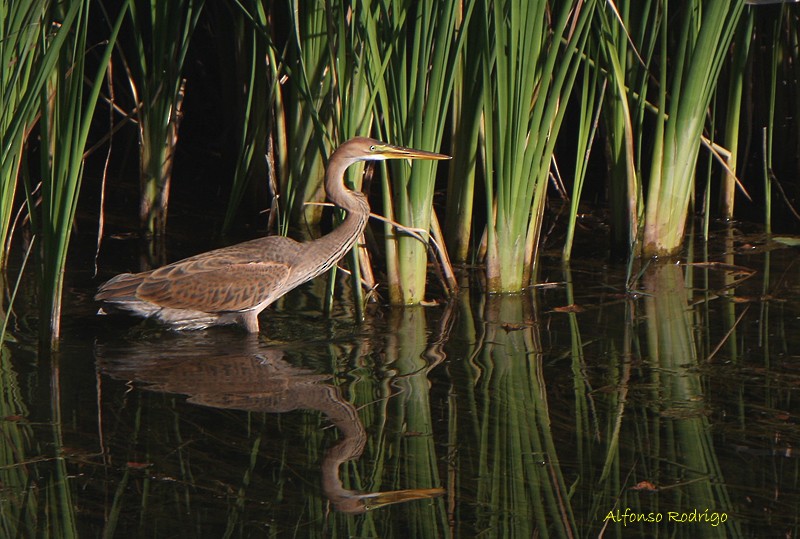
[
  {"x": 674, "y": 73},
  {"x": 161, "y": 32},
  {"x": 783, "y": 102},
  {"x": 263, "y": 143},
  {"x": 737, "y": 78},
  {"x": 22, "y": 75},
  {"x": 533, "y": 53},
  {"x": 412, "y": 58},
  {"x": 307, "y": 110},
  {"x": 352, "y": 114},
  {"x": 627, "y": 45},
  {"x": 466, "y": 138},
  {"x": 66, "y": 108},
  {"x": 690, "y": 62},
  {"x": 592, "y": 93},
  {"x": 252, "y": 101}
]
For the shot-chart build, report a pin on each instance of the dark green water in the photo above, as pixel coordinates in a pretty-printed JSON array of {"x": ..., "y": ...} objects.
[{"x": 560, "y": 412}]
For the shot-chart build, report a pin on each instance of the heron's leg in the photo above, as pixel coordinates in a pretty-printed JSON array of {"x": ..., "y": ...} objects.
[{"x": 249, "y": 321}]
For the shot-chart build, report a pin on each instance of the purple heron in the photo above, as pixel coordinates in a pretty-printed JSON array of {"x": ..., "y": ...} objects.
[{"x": 234, "y": 284}]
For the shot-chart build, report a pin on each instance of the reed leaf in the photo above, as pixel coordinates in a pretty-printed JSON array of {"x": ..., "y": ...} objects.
[
  {"x": 737, "y": 78},
  {"x": 308, "y": 112},
  {"x": 465, "y": 140},
  {"x": 256, "y": 19},
  {"x": 674, "y": 72},
  {"x": 686, "y": 87},
  {"x": 66, "y": 109},
  {"x": 26, "y": 66},
  {"x": 627, "y": 45},
  {"x": 253, "y": 47},
  {"x": 590, "y": 108},
  {"x": 775, "y": 104},
  {"x": 161, "y": 33},
  {"x": 412, "y": 51},
  {"x": 352, "y": 106},
  {"x": 20, "y": 54},
  {"x": 534, "y": 52}
]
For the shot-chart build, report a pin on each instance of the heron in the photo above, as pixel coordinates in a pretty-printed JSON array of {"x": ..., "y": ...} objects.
[{"x": 232, "y": 285}]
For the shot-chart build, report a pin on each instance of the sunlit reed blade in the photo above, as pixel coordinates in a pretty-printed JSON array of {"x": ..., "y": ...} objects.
[
  {"x": 66, "y": 111},
  {"x": 161, "y": 32},
  {"x": 254, "y": 111},
  {"x": 737, "y": 79},
  {"x": 685, "y": 91},
  {"x": 524, "y": 111},
  {"x": 20, "y": 83},
  {"x": 415, "y": 111}
]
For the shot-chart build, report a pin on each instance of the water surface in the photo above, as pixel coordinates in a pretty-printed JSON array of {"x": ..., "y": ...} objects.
[{"x": 580, "y": 408}]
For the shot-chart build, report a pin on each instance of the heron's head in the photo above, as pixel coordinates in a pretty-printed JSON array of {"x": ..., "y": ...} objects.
[{"x": 368, "y": 149}]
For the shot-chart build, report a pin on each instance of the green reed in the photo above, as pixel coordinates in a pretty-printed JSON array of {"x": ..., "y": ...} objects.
[
  {"x": 66, "y": 107},
  {"x": 687, "y": 76},
  {"x": 161, "y": 32},
  {"x": 737, "y": 79},
  {"x": 353, "y": 114},
  {"x": 466, "y": 142},
  {"x": 25, "y": 66},
  {"x": 30, "y": 50},
  {"x": 533, "y": 52},
  {"x": 669, "y": 62},
  {"x": 411, "y": 56},
  {"x": 592, "y": 92},
  {"x": 307, "y": 111},
  {"x": 5, "y": 310},
  {"x": 260, "y": 109},
  {"x": 626, "y": 48},
  {"x": 252, "y": 102},
  {"x": 782, "y": 51}
]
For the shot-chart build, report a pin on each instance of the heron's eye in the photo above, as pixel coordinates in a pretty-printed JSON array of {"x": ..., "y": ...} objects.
[{"x": 372, "y": 148}]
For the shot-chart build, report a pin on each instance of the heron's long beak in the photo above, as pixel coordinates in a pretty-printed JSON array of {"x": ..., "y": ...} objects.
[
  {"x": 387, "y": 151},
  {"x": 356, "y": 503}
]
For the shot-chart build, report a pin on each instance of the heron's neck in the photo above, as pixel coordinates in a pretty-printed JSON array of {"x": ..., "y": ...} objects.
[
  {"x": 355, "y": 204},
  {"x": 323, "y": 253},
  {"x": 335, "y": 186}
]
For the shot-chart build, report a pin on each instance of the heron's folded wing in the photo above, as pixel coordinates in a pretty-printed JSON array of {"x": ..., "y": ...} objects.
[{"x": 215, "y": 287}]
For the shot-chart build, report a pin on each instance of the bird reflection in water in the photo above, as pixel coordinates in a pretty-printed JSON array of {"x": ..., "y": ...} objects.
[{"x": 262, "y": 381}]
